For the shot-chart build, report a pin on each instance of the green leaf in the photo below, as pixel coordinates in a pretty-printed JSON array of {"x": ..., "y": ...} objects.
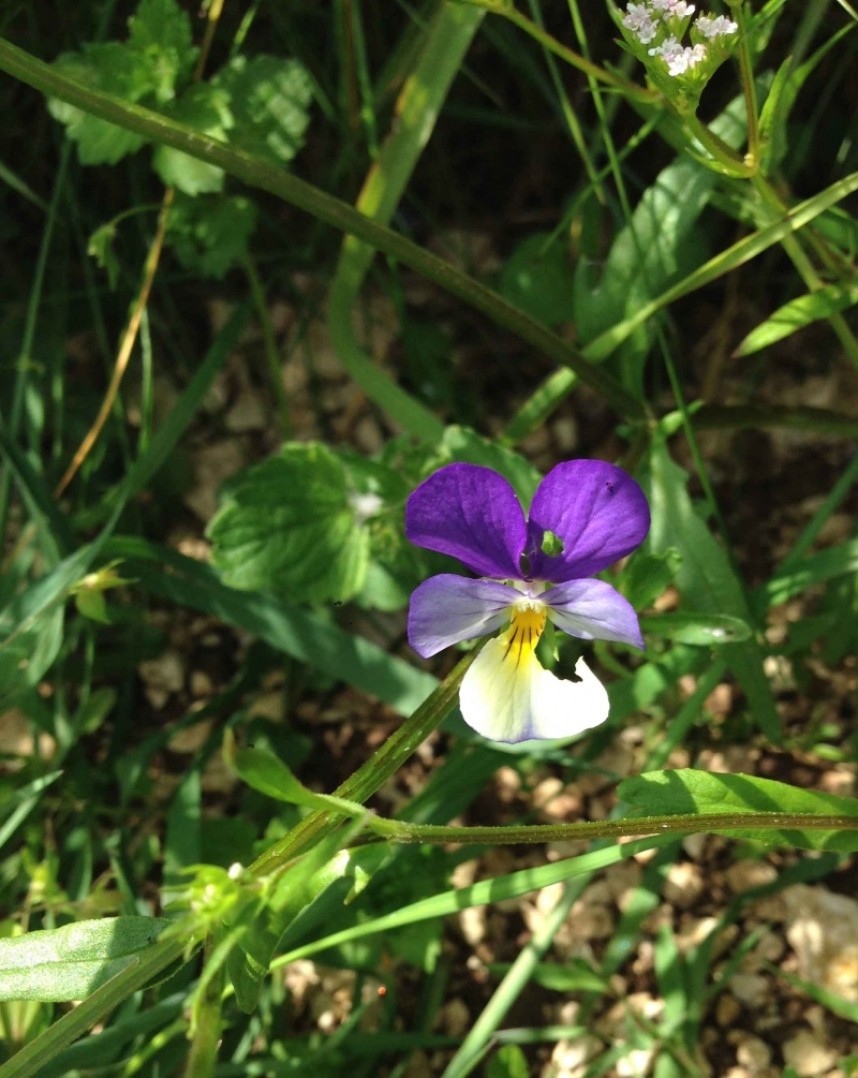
[
  {"x": 686, "y": 791},
  {"x": 538, "y": 278},
  {"x": 209, "y": 236},
  {"x": 61, "y": 964},
  {"x": 101, "y": 247},
  {"x": 647, "y": 576},
  {"x": 798, "y": 313},
  {"x": 647, "y": 255},
  {"x": 204, "y": 108},
  {"x": 161, "y": 32},
  {"x": 270, "y": 100},
  {"x": 509, "y": 1061},
  {"x": 699, "y": 630},
  {"x": 286, "y": 525},
  {"x": 706, "y": 578},
  {"x": 116, "y": 70}
]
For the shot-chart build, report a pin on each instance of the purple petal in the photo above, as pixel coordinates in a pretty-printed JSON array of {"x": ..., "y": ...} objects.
[
  {"x": 447, "y": 609},
  {"x": 593, "y": 610},
  {"x": 596, "y": 509},
  {"x": 472, "y": 514}
]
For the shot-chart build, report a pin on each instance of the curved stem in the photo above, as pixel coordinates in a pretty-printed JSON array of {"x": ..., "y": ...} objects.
[
  {"x": 325, "y": 207},
  {"x": 371, "y": 775}
]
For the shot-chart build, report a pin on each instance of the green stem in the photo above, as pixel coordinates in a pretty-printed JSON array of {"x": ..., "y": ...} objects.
[
  {"x": 371, "y": 775},
  {"x": 574, "y": 59},
  {"x": 532, "y": 834},
  {"x": 277, "y": 181},
  {"x": 746, "y": 73}
]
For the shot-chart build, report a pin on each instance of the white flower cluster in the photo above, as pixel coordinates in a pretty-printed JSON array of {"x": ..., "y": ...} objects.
[{"x": 659, "y": 21}]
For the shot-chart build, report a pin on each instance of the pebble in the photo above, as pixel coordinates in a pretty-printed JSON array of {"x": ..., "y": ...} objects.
[{"x": 808, "y": 1055}]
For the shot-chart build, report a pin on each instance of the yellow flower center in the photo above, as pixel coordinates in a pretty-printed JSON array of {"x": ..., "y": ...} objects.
[{"x": 526, "y": 627}]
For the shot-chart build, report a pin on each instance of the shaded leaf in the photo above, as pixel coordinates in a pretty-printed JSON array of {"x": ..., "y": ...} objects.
[
  {"x": 270, "y": 101},
  {"x": 209, "y": 236},
  {"x": 686, "y": 791}
]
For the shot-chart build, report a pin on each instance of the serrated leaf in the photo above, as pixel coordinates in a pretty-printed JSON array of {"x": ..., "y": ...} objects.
[
  {"x": 798, "y": 313},
  {"x": 113, "y": 68},
  {"x": 209, "y": 236},
  {"x": 270, "y": 101},
  {"x": 161, "y": 32},
  {"x": 286, "y": 525},
  {"x": 669, "y": 793},
  {"x": 204, "y": 108},
  {"x": 68, "y": 963}
]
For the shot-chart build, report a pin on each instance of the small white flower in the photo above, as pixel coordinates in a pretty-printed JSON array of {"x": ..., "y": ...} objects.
[
  {"x": 673, "y": 8},
  {"x": 364, "y": 506},
  {"x": 679, "y": 60},
  {"x": 639, "y": 20},
  {"x": 710, "y": 27}
]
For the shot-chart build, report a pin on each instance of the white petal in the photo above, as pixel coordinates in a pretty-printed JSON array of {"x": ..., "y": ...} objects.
[{"x": 508, "y": 700}]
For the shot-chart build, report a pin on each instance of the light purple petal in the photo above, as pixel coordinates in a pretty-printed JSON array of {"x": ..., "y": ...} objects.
[
  {"x": 596, "y": 509},
  {"x": 593, "y": 610},
  {"x": 472, "y": 514},
  {"x": 447, "y": 609}
]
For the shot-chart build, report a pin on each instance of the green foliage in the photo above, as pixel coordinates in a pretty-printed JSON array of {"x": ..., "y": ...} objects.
[
  {"x": 71, "y": 962},
  {"x": 544, "y": 216},
  {"x": 688, "y": 791},
  {"x": 288, "y": 525},
  {"x": 270, "y": 100}
]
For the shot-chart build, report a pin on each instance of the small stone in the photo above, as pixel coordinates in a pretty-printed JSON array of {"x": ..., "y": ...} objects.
[
  {"x": 753, "y": 1054},
  {"x": 808, "y": 1055},
  {"x": 822, "y": 929},
  {"x": 684, "y": 884},
  {"x": 745, "y": 875},
  {"x": 727, "y": 1010},
  {"x": 749, "y": 988}
]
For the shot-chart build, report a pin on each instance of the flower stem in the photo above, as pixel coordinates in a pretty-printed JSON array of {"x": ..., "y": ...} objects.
[
  {"x": 520, "y": 834},
  {"x": 381, "y": 766}
]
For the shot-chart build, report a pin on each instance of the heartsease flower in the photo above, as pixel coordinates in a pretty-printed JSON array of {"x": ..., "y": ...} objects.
[{"x": 585, "y": 515}]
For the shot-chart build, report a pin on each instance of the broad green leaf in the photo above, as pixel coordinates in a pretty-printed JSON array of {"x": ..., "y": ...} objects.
[
  {"x": 209, "y": 236},
  {"x": 69, "y": 963},
  {"x": 287, "y": 525},
  {"x": 270, "y": 102},
  {"x": 647, "y": 255},
  {"x": 699, "y": 630},
  {"x": 668, "y": 793},
  {"x": 156, "y": 59},
  {"x": 116, "y": 70},
  {"x": 204, "y": 108},
  {"x": 537, "y": 277},
  {"x": 705, "y": 578}
]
